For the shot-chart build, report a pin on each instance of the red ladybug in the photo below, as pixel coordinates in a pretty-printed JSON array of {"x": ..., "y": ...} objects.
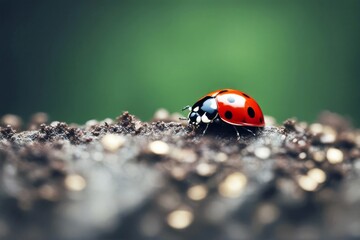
[{"x": 228, "y": 105}]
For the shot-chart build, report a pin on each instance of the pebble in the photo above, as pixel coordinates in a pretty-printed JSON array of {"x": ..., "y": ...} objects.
[
  {"x": 301, "y": 143},
  {"x": 138, "y": 125},
  {"x": 75, "y": 182},
  {"x": 112, "y": 142},
  {"x": 317, "y": 174},
  {"x": 269, "y": 121},
  {"x": 159, "y": 147},
  {"x": 183, "y": 155},
  {"x": 54, "y": 123},
  {"x": 316, "y": 128},
  {"x": 205, "y": 169},
  {"x": 318, "y": 156},
  {"x": 91, "y": 123},
  {"x": 328, "y": 136},
  {"x": 107, "y": 121},
  {"x": 233, "y": 185},
  {"x": 180, "y": 219},
  {"x": 221, "y": 157},
  {"x": 40, "y": 118},
  {"x": 161, "y": 114},
  {"x": 302, "y": 155},
  {"x": 307, "y": 183},
  {"x": 267, "y": 213},
  {"x": 309, "y": 164},
  {"x": 48, "y": 192},
  {"x": 197, "y": 192},
  {"x": 178, "y": 173},
  {"x": 37, "y": 119},
  {"x": 303, "y": 125},
  {"x": 12, "y": 120},
  {"x": 262, "y": 152},
  {"x": 334, "y": 155}
]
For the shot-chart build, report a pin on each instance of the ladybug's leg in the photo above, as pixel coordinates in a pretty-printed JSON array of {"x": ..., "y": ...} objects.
[
  {"x": 250, "y": 131},
  {"x": 237, "y": 133},
  {"x": 207, "y": 125}
]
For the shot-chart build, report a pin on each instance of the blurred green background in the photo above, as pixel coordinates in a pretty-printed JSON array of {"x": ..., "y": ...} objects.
[{"x": 79, "y": 60}]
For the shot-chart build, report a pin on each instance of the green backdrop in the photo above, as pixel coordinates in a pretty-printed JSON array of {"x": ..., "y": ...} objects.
[{"x": 78, "y": 60}]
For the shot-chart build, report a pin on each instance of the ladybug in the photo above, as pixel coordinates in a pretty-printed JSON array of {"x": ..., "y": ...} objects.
[{"x": 227, "y": 105}]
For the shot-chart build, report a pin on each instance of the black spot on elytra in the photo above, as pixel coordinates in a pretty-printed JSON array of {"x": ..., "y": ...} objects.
[
  {"x": 228, "y": 115},
  {"x": 230, "y": 99},
  {"x": 261, "y": 120},
  {"x": 245, "y": 95},
  {"x": 251, "y": 112}
]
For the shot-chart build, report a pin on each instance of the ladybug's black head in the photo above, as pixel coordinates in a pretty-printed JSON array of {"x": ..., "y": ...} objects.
[
  {"x": 194, "y": 118},
  {"x": 203, "y": 112}
]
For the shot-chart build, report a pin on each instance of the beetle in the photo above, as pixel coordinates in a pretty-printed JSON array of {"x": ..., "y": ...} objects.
[{"x": 230, "y": 106}]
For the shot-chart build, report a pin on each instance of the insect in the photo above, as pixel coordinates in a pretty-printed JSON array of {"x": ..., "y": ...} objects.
[{"x": 227, "y": 105}]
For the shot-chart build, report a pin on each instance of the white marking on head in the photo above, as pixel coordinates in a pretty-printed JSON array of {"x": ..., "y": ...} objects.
[
  {"x": 198, "y": 119},
  {"x": 196, "y": 109},
  {"x": 205, "y": 119}
]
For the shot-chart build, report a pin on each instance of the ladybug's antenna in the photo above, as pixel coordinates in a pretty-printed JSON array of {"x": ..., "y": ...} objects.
[{"x": 187, "y": 107}]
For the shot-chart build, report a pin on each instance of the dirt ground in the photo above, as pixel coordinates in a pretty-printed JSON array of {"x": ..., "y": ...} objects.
[{"x": 127, "y": 179}]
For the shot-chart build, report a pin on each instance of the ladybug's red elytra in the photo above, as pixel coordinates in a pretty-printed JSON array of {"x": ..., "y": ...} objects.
[{"x": 228, "y": 105}]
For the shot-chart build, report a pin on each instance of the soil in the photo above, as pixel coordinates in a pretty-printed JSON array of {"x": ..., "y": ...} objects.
[{"x": 128, "y": 179}]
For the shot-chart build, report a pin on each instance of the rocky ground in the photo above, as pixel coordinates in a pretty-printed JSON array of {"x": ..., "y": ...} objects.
[{"x": 128, "y": 179}]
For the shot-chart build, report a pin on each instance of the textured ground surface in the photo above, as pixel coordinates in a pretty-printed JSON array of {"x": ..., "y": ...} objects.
[{"x": 127, "y": 179}]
